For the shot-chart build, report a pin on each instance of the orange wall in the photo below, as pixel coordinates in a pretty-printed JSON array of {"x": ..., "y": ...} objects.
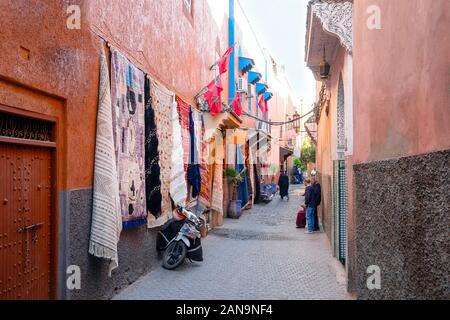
[
  {"x": 64, "y": 64},
  {"x": 401, "y": 79}
]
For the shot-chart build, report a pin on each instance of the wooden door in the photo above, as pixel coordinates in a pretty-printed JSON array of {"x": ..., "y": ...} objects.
[{"x": 25, "y": 222}]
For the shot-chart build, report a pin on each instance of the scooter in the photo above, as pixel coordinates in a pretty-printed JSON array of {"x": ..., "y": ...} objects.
[
  {"x": 180, "y": 239},
  {"x": 266, "y": 193}
]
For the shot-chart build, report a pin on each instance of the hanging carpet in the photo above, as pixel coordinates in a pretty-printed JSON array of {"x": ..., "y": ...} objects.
[
  {"x": 106, "y": 223},
  {"x": 127, "y": 98}
]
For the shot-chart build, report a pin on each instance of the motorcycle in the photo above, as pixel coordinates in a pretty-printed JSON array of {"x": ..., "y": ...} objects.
[
  {"x": 180, "y": 239},
  {"x": 267, "y": 194}
]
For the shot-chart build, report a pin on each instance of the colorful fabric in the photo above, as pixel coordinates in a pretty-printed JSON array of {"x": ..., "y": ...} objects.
[
  {"x": 183, "y": 111},
  {"x": 106, "y": 223},
  {"x": 251, "y": 174},
  {"x": 152, "y": 169},
  {"x": 205, "y": 190},
  {"x": 224, "y": 61},
  {"x": 217, "y": 188},
  {"x": 262, "y": 104},
  {"x": 213, "y": 96},
  {"x": 193, "y": 171},
  {"x": 127, "y": 95},
  {"x": 240, "y": 167},
  {"x": 236, "y": 104},
  {"x": 162, "y": 102},
  {"x": 178, "y": 187}
]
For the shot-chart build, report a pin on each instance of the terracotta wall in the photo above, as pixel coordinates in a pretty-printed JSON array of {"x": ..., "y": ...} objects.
[{"x": 401, "y": 100}]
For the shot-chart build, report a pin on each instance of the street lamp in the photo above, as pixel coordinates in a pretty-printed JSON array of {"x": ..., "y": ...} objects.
[{"x": 324, "y": 67}]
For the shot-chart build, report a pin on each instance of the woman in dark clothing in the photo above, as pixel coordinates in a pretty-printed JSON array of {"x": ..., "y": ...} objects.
[{"x": 283, "y": 183}]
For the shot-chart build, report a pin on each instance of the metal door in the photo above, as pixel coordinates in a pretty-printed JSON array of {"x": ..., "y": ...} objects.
[{"x": 25, "y": 222}]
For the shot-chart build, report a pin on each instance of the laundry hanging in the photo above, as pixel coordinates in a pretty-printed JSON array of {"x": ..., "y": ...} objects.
[
  {"x": 162, "y": 103},
  {"x": 106, "y": 222},
  {"x": 152, "y": 168},
  {"x": 127, "y": 98}
]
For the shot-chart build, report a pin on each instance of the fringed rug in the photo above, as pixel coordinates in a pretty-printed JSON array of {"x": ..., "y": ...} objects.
[
  {"x": 127, "y": 95},
  {"x": 162, "y": 103},
  {"x": 106, "y": 223},
  {"x": 183, "y": 111},
  {"x": 178, "y": 186},
  {"x": 152, "y": 169}
]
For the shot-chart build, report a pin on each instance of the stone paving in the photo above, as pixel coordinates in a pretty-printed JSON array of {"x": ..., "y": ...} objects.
[{"x": 260, "y": 256}]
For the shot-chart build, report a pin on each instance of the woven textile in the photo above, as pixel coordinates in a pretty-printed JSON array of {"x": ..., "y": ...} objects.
[
  {"x": 205, "y": 190},
  {"x": 127, "y": 98},
  {"x": 183, "y": 111},
  {"x": 217, "y": 189},
  {"x": 106, "y": 223},
  {"x": 178, "y": 186},
  {"x": 193, "y": 170},
  {"x": 162, "y": 103},
  {"x": 251, "y": 172},
  {"x": 152, "y": 169}
]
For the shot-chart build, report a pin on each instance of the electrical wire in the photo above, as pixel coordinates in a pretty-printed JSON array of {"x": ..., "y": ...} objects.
[{"x": 278, "y": 123}]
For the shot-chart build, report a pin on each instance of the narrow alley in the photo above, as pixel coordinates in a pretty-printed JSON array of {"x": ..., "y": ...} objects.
[{"x": 260, "y": 256}]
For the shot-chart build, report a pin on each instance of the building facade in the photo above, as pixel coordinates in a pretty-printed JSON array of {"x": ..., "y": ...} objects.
[
  {"x": 383, "y": 147},
  {"x": 49, "y": 94}
]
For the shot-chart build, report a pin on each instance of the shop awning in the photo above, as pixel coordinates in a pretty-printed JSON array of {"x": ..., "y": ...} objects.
[
  {"x": 254, "y": 77},
  {"x": 261, "y": 88},
  {"x": 245, "y": 64},
  {"x": 267, "y": 95}
]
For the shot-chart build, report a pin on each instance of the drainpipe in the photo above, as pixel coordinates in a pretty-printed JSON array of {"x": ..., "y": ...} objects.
[{"x": 231, "y": 41}]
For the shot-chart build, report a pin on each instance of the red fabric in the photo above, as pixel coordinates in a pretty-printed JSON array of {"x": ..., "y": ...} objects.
[
  {"x": 262, "y": 104},
  {"x": 301, "y": 219},
  {"x": 223, "y": 62},
  {"x": 236, "y": 104},
  {"x": 213, "y": 98},
  {"x": 183, "y": 111}
]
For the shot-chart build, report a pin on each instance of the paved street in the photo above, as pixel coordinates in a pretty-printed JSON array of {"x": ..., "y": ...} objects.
[{"x": 260, "y": 256}]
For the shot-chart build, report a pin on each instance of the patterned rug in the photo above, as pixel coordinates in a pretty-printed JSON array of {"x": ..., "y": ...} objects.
[
  {"x": 178, "y": 186},
  {"x": 152, "y": 169},
  {"x": 106, "y": 223},
  {"x": 183, "y": 111},
  {"x": 127, "y": 98},
  {"x": 217, "y": 188}
]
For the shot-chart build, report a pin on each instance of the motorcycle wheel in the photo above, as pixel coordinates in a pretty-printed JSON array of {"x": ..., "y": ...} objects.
[{"x": 174, "y": 255}]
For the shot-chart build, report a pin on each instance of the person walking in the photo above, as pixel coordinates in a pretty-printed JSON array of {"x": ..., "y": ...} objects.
[
  {"x": 310, "y": 200},
  {"x": 283, "y": 183},
  {"x": 317, "y": 200}
]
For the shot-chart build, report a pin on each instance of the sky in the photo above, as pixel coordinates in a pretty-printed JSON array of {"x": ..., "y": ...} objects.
[{"x": 280, "y": 26}]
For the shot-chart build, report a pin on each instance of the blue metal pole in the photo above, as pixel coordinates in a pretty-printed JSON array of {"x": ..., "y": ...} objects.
[{"x": 231, "y": 41}]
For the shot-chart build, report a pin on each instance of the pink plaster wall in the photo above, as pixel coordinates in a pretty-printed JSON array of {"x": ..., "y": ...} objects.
[{"x": 401, "y": 79}]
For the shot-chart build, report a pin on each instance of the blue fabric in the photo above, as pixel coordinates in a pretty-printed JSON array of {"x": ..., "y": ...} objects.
[
  {"x": 310, "y": 218},
  {"x": 193, "y": 171},
  {"x": 242, "y": 187}
]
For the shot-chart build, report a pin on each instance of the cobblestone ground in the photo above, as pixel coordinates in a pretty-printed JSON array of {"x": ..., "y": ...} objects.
[{"x": 260, "y": 256}]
